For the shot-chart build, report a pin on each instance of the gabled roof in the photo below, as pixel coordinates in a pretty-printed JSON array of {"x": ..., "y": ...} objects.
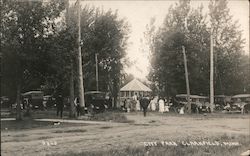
[{"x": 135, "y": 85}]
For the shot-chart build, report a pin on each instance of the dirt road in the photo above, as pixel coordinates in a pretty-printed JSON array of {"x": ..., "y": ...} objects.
[{"x": 154, "y": 127}]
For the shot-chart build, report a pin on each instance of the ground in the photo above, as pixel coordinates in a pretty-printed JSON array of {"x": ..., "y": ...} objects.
[{"x": 55, "y": 139}]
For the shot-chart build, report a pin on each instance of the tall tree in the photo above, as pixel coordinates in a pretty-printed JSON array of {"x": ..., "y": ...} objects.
[
  {"x": 183, "y": 26},
  {"x": 107, "y": 37},
  {"x": 25, "y": 28},
  {"x": 103, "y": 34},
  {"x": 186, "y": 26},
  {"x": 228, "y": 49}
]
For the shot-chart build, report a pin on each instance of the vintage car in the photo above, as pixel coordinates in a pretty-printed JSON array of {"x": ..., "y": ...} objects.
[
  {"x": 96, "y": 101},
  {"x": 5, "y": 102},
  {"x": 221, "y": 101},
  {"x": 49, "y": 101},
  {"x": 199, "y": 104},
  {"x": 241, "y": 103},
  {"x": 34, "y": 99}
]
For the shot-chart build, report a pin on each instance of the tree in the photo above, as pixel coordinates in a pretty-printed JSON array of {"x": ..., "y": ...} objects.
[
  {"x": 26, "y": 26},
  {"x": 228, "y": 49},
  {"x": 106, "y": 36},
  {"x": 64, "y": 52},
  {"x": 102, "y": 33},
  {"x": 166, "y": 57},
  {"x": 186, "y": 26}
]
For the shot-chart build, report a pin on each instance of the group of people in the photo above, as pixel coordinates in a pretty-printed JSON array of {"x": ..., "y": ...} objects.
[
  {"x": 160, "y": 104},
  {"x": 60, "y": 106},
  {"x": 138, "y": 103}
]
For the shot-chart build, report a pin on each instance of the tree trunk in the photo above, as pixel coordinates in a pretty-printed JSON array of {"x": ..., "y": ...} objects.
[
  {"x": 115, "y": 101},
  {"x": 115, "y": 92},
  {"x": 72, "y": 105},
  {"x": 18, "y": 101}
]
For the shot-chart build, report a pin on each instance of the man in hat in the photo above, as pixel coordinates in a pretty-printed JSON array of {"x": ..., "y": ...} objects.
[
  {"x": 59, "y": 105},
  {"x": 144, "y": 102}
]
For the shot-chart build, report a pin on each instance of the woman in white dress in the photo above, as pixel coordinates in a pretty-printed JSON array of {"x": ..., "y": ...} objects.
[
  {"x": 153, "y": 103},
  {"x": 137, "y": 105},
  {"x": 161, "y": 105}
]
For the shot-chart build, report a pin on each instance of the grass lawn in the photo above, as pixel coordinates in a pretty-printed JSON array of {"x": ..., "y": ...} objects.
[
  {"x": 228, "y": 146},
  {"x": 27, "y": 124},
  {"x": 133, "y": 135}
]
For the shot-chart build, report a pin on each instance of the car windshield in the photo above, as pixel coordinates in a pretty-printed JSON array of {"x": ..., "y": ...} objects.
[{"x": 98, "y": 96}]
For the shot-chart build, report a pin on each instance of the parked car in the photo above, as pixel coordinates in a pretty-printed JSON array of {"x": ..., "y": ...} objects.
[
  {"x": 246, "y": 108},
  {"x": 49, "y": 101},
  {"x": 241, "y": 102},
  {"x": 221, "y": 101},
  {"x": 95, "y": 101},
  {"x": 199, "y": 104},
  {"x": 35, "y": 99},
  {"x": 5, "y": 102}
]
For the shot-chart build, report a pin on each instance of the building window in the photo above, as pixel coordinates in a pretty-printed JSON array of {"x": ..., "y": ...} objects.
[{"x": 127, "y": 93}]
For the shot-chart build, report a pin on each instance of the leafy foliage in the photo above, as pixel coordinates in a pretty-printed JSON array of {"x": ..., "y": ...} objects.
[
  {"x": 184, "y": 26},
  {"x": 167, "y": 58},
  {"x": 26, "y": 27},
  {"x": 106, "y": 35},
  {"x": 228, "y": 49}
]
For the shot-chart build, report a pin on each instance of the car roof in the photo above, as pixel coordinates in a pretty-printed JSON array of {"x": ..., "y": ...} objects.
[
  {"x": 191, "y": 96},
  {"x": 33, "y": 92},
  {"x": 94, "y": 92},
  {"x": 241, "y": 96}
]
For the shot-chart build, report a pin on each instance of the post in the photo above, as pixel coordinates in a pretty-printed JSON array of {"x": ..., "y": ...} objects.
[
  {"x": 1, "y": 70},
  {"x": 80, "y": 75},
  {"x": 72, "y": 94},
  {"x": 211, "y": 72},
  {"x": 96, "y": 72},
  {"x": 71, "y": 80},
  {"x": 18, "y": 101},
  {"x": 187, "y": 80}
]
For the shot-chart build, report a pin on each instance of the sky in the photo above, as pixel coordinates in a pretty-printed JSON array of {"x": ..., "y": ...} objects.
[{"x": 139, "y": 13}]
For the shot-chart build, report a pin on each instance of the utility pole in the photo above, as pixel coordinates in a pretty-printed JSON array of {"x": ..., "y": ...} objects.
[
  {"x": 186, "y": 73},
  {"x": 211, "y": 71},
  {"x": 96, "y": 72},
  {"x": 71, "y": 80},
  {"x": 80, "y": 75},
  {"x": 187, "y": 80},
  {"x": 1, "y": 70}
]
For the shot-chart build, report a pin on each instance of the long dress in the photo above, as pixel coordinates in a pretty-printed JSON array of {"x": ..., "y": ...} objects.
[
  {"x": 161, "y": 106},
  {"x": 137, "y": 105},
  {"x": 153, "y": 103}
]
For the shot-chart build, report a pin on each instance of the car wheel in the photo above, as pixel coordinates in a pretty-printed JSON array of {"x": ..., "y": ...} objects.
[{"x": 91, "y": 109}]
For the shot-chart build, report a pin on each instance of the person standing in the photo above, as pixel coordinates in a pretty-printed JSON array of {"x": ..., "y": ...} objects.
[
  {"x": 137, "y": 104},
  {"x": 59, "y": 105},
  {"x": 128, "y": 105},
  {"x": 125, "y": 105},
  {"x": 144, "y": 102},
  {"x": 153, "y": 103},
  {"x": 77, "y": 104},
  {"x": 135, "y": 99},
  {"x": 161, "y": 105}
]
